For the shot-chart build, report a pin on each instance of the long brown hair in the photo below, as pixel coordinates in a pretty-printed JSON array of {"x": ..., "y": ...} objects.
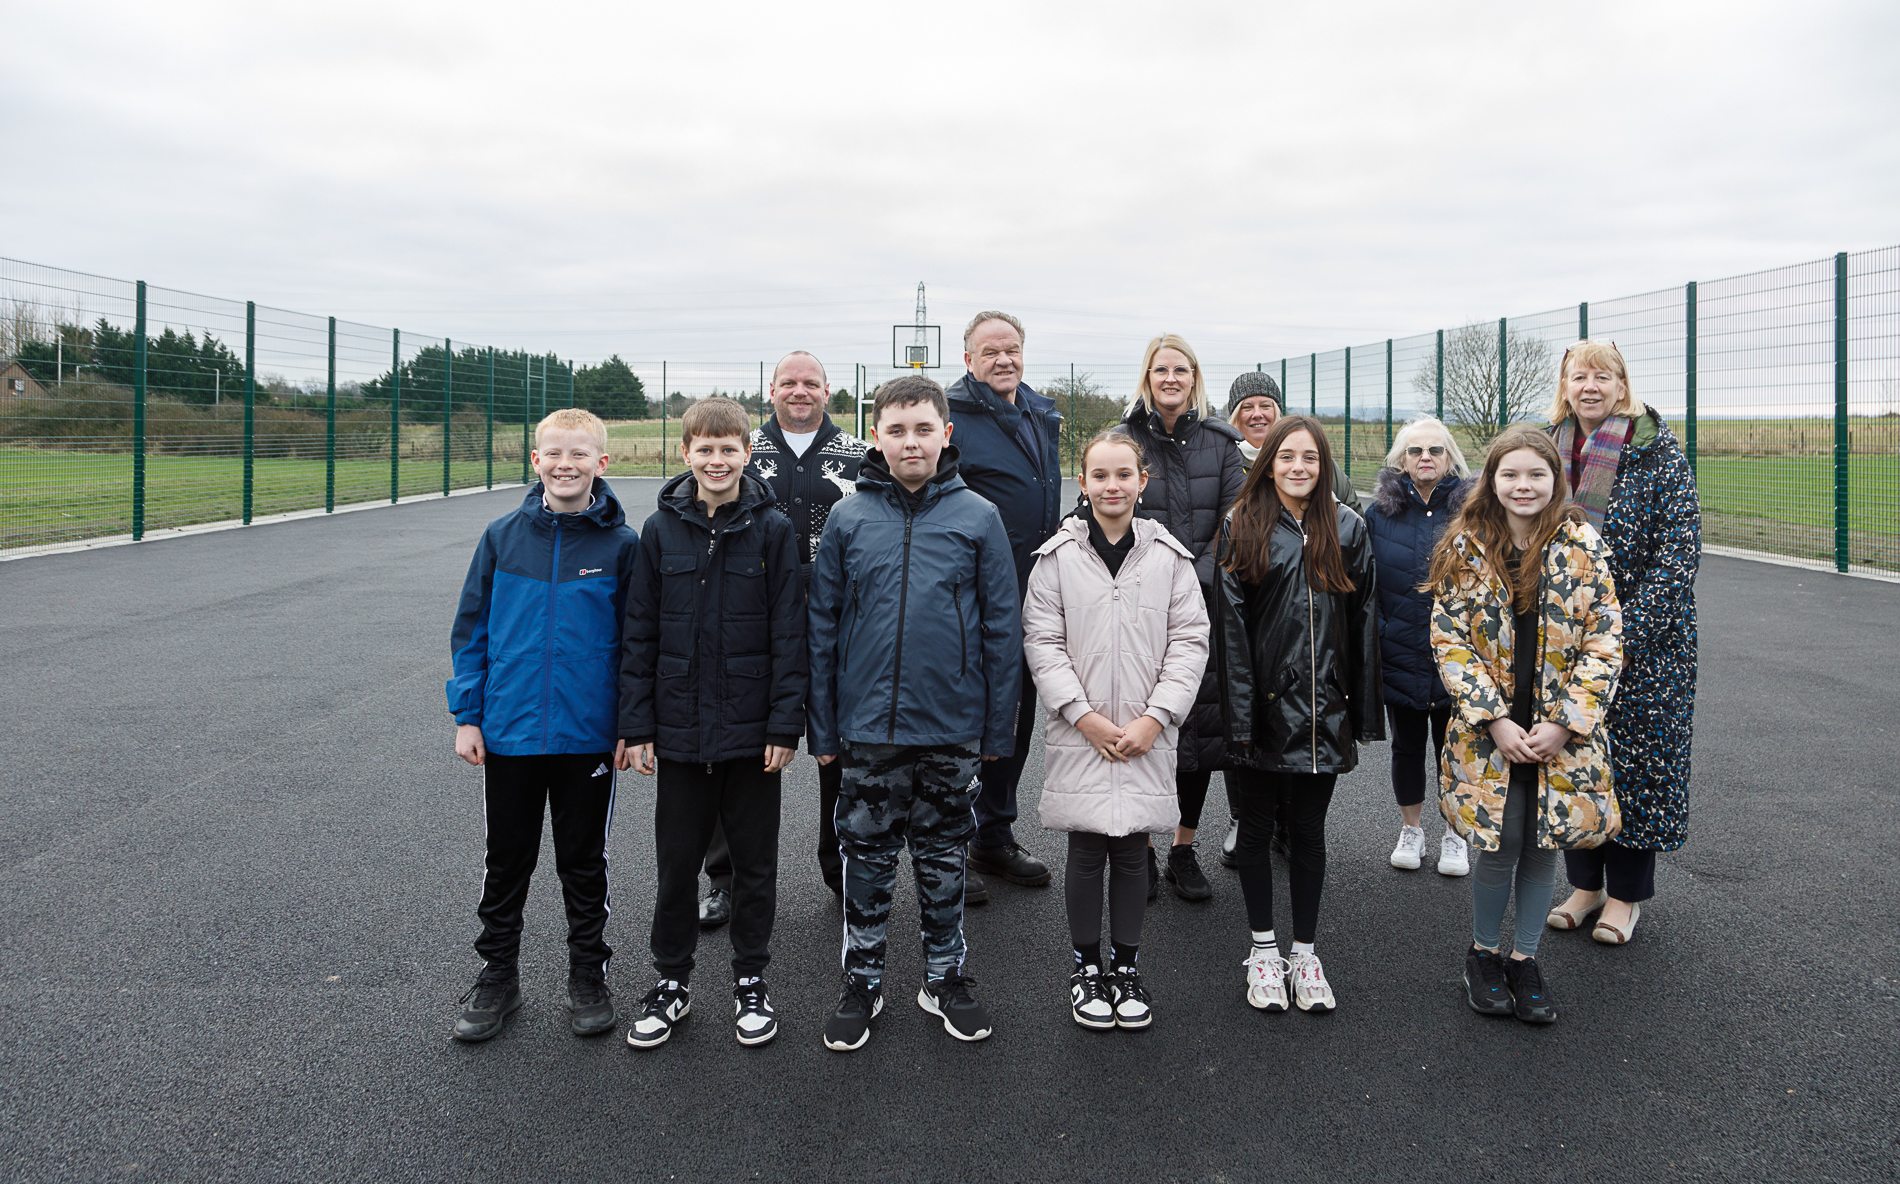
[
  {"x": 1484, "y": 517},
  {"x": 1257, "y": 510}
]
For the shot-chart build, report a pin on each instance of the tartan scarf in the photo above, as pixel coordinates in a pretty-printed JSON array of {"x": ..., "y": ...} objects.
[{"x": 1590, "y": 480}]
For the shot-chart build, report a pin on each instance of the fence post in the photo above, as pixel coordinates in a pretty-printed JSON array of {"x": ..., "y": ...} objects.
[
  {"x": 527, "y": 406},
  {"x": 329, "y": 432},
  {"x": 1388, "y": 394},
  {"x": 395, "y": 415},
  {"x": 663, "y": 397},
  {"x": 1312, "y": 384},
  {"x": 250, "y": 403},
  {"x": 761, "y": 394},
  {"x": 1688, "y": 385},
  {"x": 1072, "y": 456},
  {"x": 491, "y": 417},
  {"x": 138, "y": 424},
  {"x": 448, "y": 407},
  {"x": 1440, "y": 412},
  {"x": 1840, "y": 411},
  {"x": 1504, "y": 402},
  {"x": 1349, "y": 411},
  {"x": 1583, "y": 320}
]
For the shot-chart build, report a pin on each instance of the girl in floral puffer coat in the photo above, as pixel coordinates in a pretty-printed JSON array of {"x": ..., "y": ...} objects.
[
  {"x": 1115, "y": 633},
  {"x": 1527, "y": 634}
]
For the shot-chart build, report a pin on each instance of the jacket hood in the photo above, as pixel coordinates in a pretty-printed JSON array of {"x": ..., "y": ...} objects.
[
  {"x": 603, "y": 511},
  {"x": 1075, "y": 529},
  {"x": 1392, "y": 487},
  {"x": 681, "y": 494},
  {"x": 874, "y": 473}
]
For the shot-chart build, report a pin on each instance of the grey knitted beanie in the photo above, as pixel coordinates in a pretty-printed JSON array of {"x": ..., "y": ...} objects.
[{"x": 1249, "y": 384}]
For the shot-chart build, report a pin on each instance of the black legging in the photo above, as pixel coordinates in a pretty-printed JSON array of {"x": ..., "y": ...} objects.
[
  {"x": 1190, "y": 791},
  {"x": 1304, "y": 798},
  {"x": 1126, "y": 858},
  {"x": 1408, "y": 748}
]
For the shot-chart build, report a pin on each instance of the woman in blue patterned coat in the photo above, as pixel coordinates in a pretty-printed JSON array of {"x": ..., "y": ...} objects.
[{"x": 1633, "y": 482}]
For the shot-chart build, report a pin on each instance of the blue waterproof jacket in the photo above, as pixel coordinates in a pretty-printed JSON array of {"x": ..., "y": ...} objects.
[
  {"x": 537, "y": 636},
  {"x": 916, "y": 633},
  {"x": 1404, "y": 529},
  {"x": 993, "y": 461},
  {"x": 714, "y": 665}
]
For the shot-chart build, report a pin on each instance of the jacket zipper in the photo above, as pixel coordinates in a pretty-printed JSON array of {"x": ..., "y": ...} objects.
[
  {"x": 963, "y": 641},
  {"x": 1312, "y": 651},
  {"x": 547, "y": 664},
  {"x": 903, "y": 594}
]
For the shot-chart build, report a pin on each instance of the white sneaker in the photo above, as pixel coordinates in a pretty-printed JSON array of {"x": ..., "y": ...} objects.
[
  {"x": 1266, "y": 981},
  {"x": 1091, "y": 998},
  {"x": 1311, "y": 991},
  {"x": 1454, "y": 856},
  {"x": 1411, "y": 848}
]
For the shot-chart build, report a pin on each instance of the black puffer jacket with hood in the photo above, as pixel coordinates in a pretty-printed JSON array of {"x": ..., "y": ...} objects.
[{"x": 1299, "y": 669}]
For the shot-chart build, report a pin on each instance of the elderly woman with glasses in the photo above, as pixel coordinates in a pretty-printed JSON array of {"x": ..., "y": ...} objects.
[
  {"x": 1414, "y": 496},
  {"x": 1194, "y": 474}
]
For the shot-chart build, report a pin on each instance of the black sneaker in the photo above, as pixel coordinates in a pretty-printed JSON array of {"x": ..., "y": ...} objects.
[
  {"x": 975, "y": 891},
  {"x": 1485, "y": 987},
  {"x": 487, "y": 1004},
  {"x": 1091, "y": 1003},
  {"x": 1010, "y": 862},
  {"x": 660, "y": 1009},
  {"x": 1133, "y": 1006},
  {"x": 1184, "y": 872},
  {"x": 1154, "y": 875},
  {"x": 590, "y": 1002},
  {"x": 850, "y": 1023},
  {"x": 949, "y": 999},
  {"x": 716, "y": 909},
  {"x": 752, "y": 1012},
  {"x": 1526, "y": 978}
]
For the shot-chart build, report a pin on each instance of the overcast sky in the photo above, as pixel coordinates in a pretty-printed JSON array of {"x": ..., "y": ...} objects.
[{"x": 721, "y": 183}]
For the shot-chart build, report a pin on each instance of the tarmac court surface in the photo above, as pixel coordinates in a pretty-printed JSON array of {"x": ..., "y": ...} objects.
[{"x": 239, "y": 865}]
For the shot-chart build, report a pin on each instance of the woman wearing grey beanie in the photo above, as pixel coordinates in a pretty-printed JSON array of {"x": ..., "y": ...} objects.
[{"x": 1254, "y": 403}]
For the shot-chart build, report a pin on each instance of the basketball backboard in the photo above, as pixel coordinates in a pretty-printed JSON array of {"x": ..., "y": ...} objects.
[{"x": 916, "y": 347}]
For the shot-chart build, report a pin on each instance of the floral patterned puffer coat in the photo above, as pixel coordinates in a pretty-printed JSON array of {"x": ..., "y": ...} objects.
[{"x": 1581, "y": 624}]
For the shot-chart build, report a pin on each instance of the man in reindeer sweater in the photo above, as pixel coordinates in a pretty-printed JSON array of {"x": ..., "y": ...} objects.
[{"x": 809, "y": 463}]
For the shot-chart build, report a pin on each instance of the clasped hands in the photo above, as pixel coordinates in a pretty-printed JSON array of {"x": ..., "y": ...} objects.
[
  {"x": 1543, "y": 742},
  {"x": 1119, "y": 744}
]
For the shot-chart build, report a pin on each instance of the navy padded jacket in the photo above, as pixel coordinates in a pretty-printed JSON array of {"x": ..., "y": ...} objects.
[
  {"x": 1404, "y": 531},
  {"x": 536, "y": 643},
  {"x": 993, "y": 462},
  {"x": 714, "y": 665},
  {"x": 916, "y": 634}
]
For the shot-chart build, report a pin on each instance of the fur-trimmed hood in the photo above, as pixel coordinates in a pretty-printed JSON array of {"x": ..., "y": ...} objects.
[{"x": 1390, "y": 487}]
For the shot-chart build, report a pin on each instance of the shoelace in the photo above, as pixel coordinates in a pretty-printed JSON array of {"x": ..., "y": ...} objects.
[
  {"x": 487, "y": 990},
  {"x": 1094, "y": 987},
  {"x": 956, "y": 990},
  {"x": 1266, "y": 967},
  {"x": 751, "y": 996},
  {"x": 1128, "y": 981},
  {"x": 1530, "y": 980},
  {"x": 661, "y": 997},
  {"x": 590, "y": 988},
  {"x": 857, "y": 993}
]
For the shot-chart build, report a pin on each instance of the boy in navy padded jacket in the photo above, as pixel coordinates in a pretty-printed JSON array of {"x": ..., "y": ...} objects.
[{"x": 536, "y": 703}]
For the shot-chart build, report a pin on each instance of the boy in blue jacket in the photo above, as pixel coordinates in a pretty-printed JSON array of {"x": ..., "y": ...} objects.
[
  {"x": 915, "y": 647},
  {"x": 712, "y": 683},
  {"x": 535, "y": 698}
]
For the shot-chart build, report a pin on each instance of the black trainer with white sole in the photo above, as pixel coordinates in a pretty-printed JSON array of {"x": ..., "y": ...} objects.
[
  {"x": 949, "y": 999},
  {"x": 850, "y": 1023},
  {"x": 660, "y": 1010},
  {"x": 590, "y": 1002},
  {"x": 1485, "y": 987}
]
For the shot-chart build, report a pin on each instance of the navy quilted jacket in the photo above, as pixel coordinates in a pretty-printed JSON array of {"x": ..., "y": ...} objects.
[{"x": 1404, "y": 531}]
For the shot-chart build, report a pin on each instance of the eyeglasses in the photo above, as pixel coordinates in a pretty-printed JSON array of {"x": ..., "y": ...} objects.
[
  {"x": 1416, "y": 451},
  {"x": 1176, "y": 372}
]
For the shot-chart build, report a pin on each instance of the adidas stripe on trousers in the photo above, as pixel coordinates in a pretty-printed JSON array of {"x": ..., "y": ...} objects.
[{"x": 577, "y": 790}]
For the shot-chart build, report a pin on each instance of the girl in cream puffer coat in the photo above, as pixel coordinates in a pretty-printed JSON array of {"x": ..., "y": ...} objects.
[{"x": 1115, "y": 633}]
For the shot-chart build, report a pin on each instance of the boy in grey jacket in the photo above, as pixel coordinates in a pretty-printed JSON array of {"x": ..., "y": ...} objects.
[{"x": 915, "y": 646}]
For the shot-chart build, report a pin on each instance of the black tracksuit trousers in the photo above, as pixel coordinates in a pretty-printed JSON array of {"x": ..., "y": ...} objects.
[
  {"x": 830, "y": 863},
  {"x": 578, "y": 790},
  {"x": 743, "y": 799}
]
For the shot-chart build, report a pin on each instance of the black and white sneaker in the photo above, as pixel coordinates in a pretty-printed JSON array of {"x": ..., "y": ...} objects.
[
  {"x": 752, "y": 1012},
  {"x": 1133, "y": 1007},
  {"x": 1485, "y": 987},
  {"x": 850, "y": 1023},
  {"x": 1090, "y": 1000},
  {"x": 662, "y": 1007},
  {"x": 949, "y": 999},
  {"x": 487, "y": 1004},
  {"x": 590, "y": 1002}
]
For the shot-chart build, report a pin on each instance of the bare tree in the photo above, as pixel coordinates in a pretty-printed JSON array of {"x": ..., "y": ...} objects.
[
  {"x": 1084, "y": 414},
  {"x": 1471, "y": 379}
]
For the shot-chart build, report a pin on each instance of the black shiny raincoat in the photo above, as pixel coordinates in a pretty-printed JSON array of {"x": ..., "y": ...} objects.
[{"x": 1299, "y": 669}]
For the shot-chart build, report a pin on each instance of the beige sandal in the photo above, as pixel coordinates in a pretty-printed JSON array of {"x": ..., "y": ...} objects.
[
  {"x": 1565, "y": 919},
  {"x": 1610, "y": 935}
]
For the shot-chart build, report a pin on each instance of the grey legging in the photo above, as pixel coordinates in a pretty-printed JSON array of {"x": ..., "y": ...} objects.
[
  {"x": 1536, "y": 872},
  {"x": 1127, "y": 887}
]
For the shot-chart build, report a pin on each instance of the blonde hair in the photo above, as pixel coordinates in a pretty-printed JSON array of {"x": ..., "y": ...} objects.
[
  {"x": 1422, "y": 423},
  {"x": 715, "y": 418},
  {"x": 574, "y": 419},
  {"x": 1596, "y": 355},
  {"x": 1197, "y": 394}
]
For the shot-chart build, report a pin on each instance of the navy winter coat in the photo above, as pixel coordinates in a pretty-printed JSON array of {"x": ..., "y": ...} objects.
[
  {"x": 1404, "y": 531},
  {"x": 536, "y": 642},
  {"x": 714, "y": 664},
  {"x": 994, "y": 463},
  {"x": 916, "y": 637}
]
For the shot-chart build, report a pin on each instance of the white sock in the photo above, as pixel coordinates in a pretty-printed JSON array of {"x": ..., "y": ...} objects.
[
  {"x": 1302, "y": 947},
  {"x": 1263, "y": 943}
]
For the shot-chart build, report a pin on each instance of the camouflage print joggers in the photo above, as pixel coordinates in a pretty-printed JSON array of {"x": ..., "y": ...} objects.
[{"x": 893, "y": 793}]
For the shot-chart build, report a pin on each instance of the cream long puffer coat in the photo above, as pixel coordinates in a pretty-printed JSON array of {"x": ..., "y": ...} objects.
[{"x": 1126, "y": 646}]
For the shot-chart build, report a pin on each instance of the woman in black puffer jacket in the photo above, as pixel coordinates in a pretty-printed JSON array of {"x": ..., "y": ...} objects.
[{"x": 1194, "y": 474}]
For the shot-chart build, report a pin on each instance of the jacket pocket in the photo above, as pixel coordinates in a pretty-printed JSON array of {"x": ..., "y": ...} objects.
[
  {"x": 851, "y": 631},
  {"x": 744, "y": 593},
  {"x": 748, "y": 687},
  {"x": 963, "y": 637},
  {"x": 678, "y": 583}
]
